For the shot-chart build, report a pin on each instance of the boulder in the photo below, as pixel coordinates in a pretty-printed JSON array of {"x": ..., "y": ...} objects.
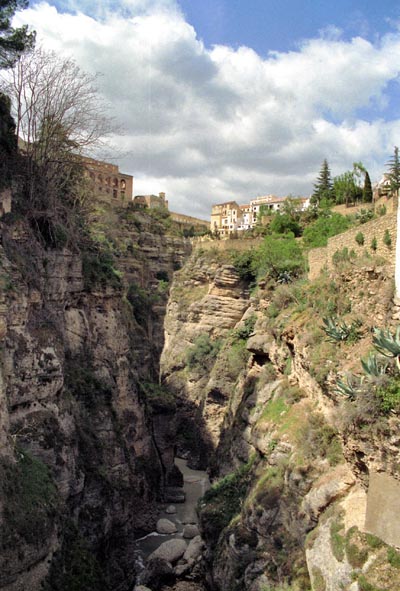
[
  {"x": 194, "y": 549},
  {"x": 165, "y": 526},
  {"x": 157, "y": 572},
  {"x": 170, "y": 510},
  {"x": 190, "y": 531},
  {"x": 171, "y": 551}
]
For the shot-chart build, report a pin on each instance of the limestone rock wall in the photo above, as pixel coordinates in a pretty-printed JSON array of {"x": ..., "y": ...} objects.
[
  {"x": 295, "y": 454},
  {"x": 80, "y": 467}
]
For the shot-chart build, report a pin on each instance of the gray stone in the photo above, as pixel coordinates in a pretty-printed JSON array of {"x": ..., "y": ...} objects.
[
  {"x": 165, "y": 526},
  {"x": 170, "y": 510},
  {"x": 141, "y": 588},
  {"x": 190, "y": 531},
  {"x": 171, "y": 551},
  {"x": 194, "y": 549}
]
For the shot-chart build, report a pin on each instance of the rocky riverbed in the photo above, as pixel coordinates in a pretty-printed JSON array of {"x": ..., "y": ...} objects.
[{"x": 174, "y": 549}]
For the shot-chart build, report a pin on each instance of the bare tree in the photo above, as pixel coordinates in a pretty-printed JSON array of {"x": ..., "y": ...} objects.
[{"x": 58, "y": 112}]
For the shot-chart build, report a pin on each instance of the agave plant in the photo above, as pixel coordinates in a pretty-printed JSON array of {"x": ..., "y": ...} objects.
[
  {"x": 350, "y": 386},
  {"x": 373, "y": 366},
  {"x": 340, "y": 331},
  {"x": 336, "y": 331},
  {"x": 387, "y": 344}
]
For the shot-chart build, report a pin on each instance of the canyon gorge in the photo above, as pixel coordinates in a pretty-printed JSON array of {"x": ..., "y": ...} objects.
[{"x": 111, "y": 368}]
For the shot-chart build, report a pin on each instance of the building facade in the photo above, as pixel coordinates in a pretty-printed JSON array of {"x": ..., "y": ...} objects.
[
  {"x": 229, "y": 217},
  {"x": 151, "y": 201},
  {"x": 225, "y": 218},
  {"x": 108, "y": 182}
]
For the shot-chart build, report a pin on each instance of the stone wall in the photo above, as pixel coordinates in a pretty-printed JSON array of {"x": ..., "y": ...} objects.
[
  {"x": 189, "y": 220},
  {"x": 318, "y": 258},
  {"x": 233, "y": 244},
  {"x": 383, "y": 507}
]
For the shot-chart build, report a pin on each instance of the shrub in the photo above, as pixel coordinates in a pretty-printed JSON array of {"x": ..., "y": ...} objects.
[
  {"x": 393, "y": 557},
  {"x": 374, "y": 244},
  {"x": 282, "y": 223},
  {"x": 360, "y": 238},
  {"x": 82, "y": 383},
  {"x": 244, "y": 264},
  {"x": 387, "y": 240},
  {"x": 343, "y": 256},
  {"x": 157, "y": 397},
  {"x": 364, "y": 215},
  {"x": 98, "y": 270},
  {"x": 74, "y": 567},
  {"x": 203, "y": 352},
  {"x": 31, "y": 500},
  {"x": 279, "y": 256},
  {"x": 389, "y": 396},
  {"x": 245, "y": 330},
  {"x": 141, "y": 302},
  {"x": 329, "y": 224},
  {"x": 224, "y": 500}
]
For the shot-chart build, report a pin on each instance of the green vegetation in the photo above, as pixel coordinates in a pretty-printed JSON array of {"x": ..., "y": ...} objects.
[
  {"x": 394, "y": 171},
  {"x": 99, "y": 271},
  {"x": 356, "y": 552},
  {"x": 323, "y": 187},
  {"x": 203, "y": 352},
  {"x": 374, "y": 244},
  {"x": 327, "y": 225},
  {"x": 318, "y": 580},
  {"x": 157, "y": 397},
  {"x": 337, "y": 330},
  {"x": 393, "y": 557},
  {"x": 82, "y": 383},
  {"x": 31, "y": 504},
  {"x": 223, "y": 501},
  {"x": 280, "y": 258},
  {"x": 387, "y": 240},
  {"x": 337, "y": 540},
  {"x": 74, "y": 567},
  {"x": 360, "y": 238}
]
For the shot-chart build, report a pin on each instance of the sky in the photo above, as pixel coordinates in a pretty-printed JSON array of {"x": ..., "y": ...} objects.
[{"x": 221, "y": 100}]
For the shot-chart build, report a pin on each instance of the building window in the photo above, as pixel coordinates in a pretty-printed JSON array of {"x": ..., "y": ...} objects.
[{"x": 115, "y": 193}]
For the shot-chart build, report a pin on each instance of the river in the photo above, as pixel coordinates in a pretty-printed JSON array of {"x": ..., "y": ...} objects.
[{"x": 195, "y": 484}]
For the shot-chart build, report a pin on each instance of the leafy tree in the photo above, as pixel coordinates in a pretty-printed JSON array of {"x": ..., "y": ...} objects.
[
  {"x": 12, "y": 41},
  {"x": 279, "y": 255},
  {"x": 327, "y": 225},
  {"x": 282, "y": 223},
  {"x": 346, "y": 189},
  {"x": 394, "y": 171},
  {"x": 323, "y": 188},
  {"x": 367, "y": 189}
]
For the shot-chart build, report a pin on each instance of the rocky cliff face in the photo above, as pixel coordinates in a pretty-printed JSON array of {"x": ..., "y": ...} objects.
[
  {"x": 257, "y": 400},
  {"x": 80, "y": 466}
]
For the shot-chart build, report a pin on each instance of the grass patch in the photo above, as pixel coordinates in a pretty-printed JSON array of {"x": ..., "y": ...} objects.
[
  {"x": 337, "y": 540},
  {"x": 393, "y": 557}
]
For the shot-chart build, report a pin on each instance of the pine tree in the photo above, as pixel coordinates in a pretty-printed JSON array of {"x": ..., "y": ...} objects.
[
  {"x": 394, "y": 171},
  {"x": 367, "y": 189},
  {"x": 323, "y": 188},
  {"x": 12, "y": 41}
]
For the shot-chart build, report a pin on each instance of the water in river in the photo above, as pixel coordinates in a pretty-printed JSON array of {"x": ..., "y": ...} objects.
[{"x": 195, "y": 484}]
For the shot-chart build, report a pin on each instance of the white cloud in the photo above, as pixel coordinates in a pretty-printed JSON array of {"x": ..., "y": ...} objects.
[{"x": 208, "y": 124}]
